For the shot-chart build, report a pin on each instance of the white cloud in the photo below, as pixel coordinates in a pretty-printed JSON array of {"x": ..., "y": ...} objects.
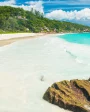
[
  {"x": 69, "y": 15},
  {"x": 68, "y": 2},
  {"x": 7, "y": 2},
  {"x": 36, "y": 5}
]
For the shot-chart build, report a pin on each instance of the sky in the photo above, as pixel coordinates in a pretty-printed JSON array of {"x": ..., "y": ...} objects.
[{"x": 77, "y": 11}]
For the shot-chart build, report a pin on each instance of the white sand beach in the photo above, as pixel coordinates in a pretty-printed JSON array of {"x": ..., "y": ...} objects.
[
  {"x": 18, "y": 35},
  {"x": 6, "y": 39},
  {"x": 22, "y": 65}
]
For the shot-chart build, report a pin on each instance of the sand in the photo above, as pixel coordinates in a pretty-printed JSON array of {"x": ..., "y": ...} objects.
[
  {"x": 6, "y": 39},
  {"x": 22, "y": 65}
]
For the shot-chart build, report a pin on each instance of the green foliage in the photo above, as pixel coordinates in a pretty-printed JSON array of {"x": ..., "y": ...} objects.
[{"x": 18, "y": 20}]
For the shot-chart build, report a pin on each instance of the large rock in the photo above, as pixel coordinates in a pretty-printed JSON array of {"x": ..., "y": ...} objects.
[{"x": 73, "y": 95}]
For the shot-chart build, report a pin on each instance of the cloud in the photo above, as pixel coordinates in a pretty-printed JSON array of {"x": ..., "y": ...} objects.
[
  {"x": 83, "y": 14},
  {"x": 67, "y": 2},
  {"x": 36, "y": 5},
  {"x": 8, "y": 2}
]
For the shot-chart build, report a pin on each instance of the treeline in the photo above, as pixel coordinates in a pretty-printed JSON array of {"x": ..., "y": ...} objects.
[{"x": 18, "y": 20}]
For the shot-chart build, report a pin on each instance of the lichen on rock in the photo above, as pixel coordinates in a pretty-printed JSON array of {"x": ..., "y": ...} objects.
[{"x": 73, "y": 95}]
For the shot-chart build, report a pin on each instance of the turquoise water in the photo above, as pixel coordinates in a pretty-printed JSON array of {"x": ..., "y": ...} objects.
[{"x": 80, "y": 38}]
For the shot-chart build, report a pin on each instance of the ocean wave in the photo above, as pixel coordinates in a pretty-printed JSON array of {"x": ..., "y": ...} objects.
[{"x": 80, "y": 53}]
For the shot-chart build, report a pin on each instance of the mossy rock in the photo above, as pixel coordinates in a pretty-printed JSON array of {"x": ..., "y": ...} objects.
[{"x": 73, "y": 95}]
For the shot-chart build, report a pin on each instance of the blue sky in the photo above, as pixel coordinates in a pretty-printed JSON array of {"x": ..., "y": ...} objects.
[{"x": 68, "y": 10}]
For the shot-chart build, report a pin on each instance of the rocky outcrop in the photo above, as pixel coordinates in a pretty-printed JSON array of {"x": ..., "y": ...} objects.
[{"x": 73, "y": 95}]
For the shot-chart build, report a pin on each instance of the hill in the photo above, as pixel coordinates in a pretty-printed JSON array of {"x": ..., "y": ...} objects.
[{"x": 18, "y": 20}]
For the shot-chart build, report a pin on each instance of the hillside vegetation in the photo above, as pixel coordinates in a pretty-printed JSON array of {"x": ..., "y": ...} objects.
[{"x": 18, "y": 20}]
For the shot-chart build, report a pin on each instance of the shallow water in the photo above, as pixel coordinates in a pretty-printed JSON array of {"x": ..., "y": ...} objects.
[
  {"x": 24, "y": 63},
  {"x": 79, "y": 38},
  {"x": 78, "y": 46}
]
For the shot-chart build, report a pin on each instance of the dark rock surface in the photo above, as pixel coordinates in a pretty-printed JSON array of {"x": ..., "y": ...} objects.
[{"x": 73, "y": 95}]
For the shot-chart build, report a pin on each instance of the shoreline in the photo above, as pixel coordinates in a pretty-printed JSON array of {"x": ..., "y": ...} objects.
[{"x": 6, "y": 39}]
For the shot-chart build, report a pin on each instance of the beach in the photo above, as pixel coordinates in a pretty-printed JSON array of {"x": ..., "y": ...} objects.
[
  {"x": 6, "y": 39},
  {"x": 24, "y": 63}
]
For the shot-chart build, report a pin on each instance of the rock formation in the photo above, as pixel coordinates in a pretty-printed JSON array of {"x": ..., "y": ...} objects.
[{"x": 73, "y": 95}]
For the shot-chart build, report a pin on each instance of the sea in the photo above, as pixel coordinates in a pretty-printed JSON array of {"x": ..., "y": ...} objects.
[{"x": 29, "y": 67}]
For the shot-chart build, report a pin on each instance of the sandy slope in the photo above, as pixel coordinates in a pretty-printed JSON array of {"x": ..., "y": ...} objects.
[{"x": 6, "y": 39}]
